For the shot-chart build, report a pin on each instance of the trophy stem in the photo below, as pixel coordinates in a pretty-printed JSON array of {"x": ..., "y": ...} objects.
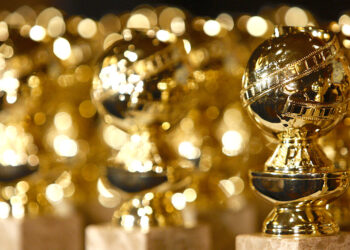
[
  {"x": 305, "y": 219},
  {"x": 155, "y": 191},
  {"x": 139, "y": 154},
  {"x": 297, "y": 155}
]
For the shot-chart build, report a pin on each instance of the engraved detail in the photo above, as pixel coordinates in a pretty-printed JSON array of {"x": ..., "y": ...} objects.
[
  {"x": 314, "y": 111},
  {"x": 158, "y": 61},
  {"x": 298, "y": 156},
  {"x": 291, "y": 72}
]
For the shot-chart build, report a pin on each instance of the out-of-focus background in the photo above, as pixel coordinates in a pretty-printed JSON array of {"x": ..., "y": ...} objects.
[
  {"x": 53, "y": 52},
  {"x": 325, "y": 10}
]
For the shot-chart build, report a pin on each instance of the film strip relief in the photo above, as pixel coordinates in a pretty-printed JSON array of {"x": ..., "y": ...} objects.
[
  {"x": 159, "y": 61},
  {"x": 292, "y": 72},
  {"x": 314, "y": 111}
]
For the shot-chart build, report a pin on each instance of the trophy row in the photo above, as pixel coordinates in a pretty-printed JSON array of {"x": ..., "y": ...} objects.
[{"x": 143, "y": 113}]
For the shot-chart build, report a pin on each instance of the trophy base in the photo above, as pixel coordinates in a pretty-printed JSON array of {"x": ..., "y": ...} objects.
[
  {"x": 340, "y": 241},
  {"x": 300, "y": 201},
  {"x": 109, "y": 237},
  {"x": 41, "y": 233},
  {"x": 303, "y": 220}
]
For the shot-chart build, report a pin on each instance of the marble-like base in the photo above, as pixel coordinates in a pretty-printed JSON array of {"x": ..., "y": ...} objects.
[
  {"x": 108, "y": 237},
  {"x": 225, "y": 224},
  {"x": 262, "y": 242},
  {"x": 41, "y": 233}
]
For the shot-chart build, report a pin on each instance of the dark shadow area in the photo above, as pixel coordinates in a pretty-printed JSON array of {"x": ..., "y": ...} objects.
[{"x": 324, "y": 10}]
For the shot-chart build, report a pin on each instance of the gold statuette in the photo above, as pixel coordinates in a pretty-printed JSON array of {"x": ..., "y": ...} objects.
[
  {"x": 296, "y": 88},
  {"x": 142, "y": 87}
]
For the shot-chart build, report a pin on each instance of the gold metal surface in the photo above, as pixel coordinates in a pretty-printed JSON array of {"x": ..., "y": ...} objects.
[
  {"x": 44, "y": 122},
  {"x": 46, "y": 65},
  {"x": 22, "y": 188},
  {"x": 216, "y": 135},
  {"x": 143, "y": 87},
  {"x": 296, "y": 89}
]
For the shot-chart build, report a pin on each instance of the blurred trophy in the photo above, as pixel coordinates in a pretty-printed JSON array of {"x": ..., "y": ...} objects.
[
  {"x": 31, "y": 195},
  {"x": 216, "y": 135},
  {"x": 143, "y": 86},
  {"x": 296, "y": 89},
  {"x": 64, "y": 120},
  {"x": 336, "y": 146}
]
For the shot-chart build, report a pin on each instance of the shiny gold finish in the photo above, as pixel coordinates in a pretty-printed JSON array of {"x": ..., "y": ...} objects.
[
  {"x": 41, "y": 114},
  {"x": 143, "y": 87},
  {"x": 215, "y": 135},
  {"x": 46, "y": 61},
  {"x": 296, "y": 89},
  {"x": 22, "y": 190}
]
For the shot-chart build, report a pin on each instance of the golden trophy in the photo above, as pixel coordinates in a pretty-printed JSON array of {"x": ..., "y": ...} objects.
[
  {"x": 295, "y": 88},
  {"x": 32, "y": 193},
  {"x": 19, "y": 161},
  {"x": 219, "y": 133},
  {"x": 143, "y": 86},
  {"x": 65, "y": 124}
]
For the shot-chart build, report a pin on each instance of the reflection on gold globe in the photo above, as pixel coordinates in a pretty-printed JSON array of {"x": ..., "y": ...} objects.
[{"x": 296, "y": 81}]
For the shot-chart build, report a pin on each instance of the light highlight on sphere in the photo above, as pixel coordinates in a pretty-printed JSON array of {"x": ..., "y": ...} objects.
[
  {"x": 226, "y": 21},
  {"x": 296, "y": 17},
  {"x": 163, "y": 35},
  {"x": 54, "y": 193},
  {"x": 4, "y": 32},
  {"x": 190, "y": 195},
  {"x": 232, "y": 186},
  {"x": 177, "y": 25},
  {"x": 138, "y": 21},
  {"x": 232, "y": 142},
  {"x": 212, "y": 28},
  {"x": 87, "y": 28},
  {"x": 189, "y": 151},
  {"x": 62, "y": 48},
  {"x": 256, "y": 26},
  {"x": 56, "y": 27},
  {"x": 179, "y": 201},
  {"x": 62, "y": 121},
  {"x": 64, "y": 146},
  {"x": 37, "y": 33}
]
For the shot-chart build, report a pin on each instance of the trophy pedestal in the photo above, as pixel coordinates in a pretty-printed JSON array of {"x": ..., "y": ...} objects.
[
  {"x": 109, "y": 237},
  {"x": 340, "y": 241},
  {"x": 225, "y": 224},
  {"x": 41, "y": 233}
]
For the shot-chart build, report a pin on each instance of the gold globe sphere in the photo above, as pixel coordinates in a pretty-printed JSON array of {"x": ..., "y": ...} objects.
[
  {"x": 297, "y": 83},
  {"x": 142, "y": 80}
]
